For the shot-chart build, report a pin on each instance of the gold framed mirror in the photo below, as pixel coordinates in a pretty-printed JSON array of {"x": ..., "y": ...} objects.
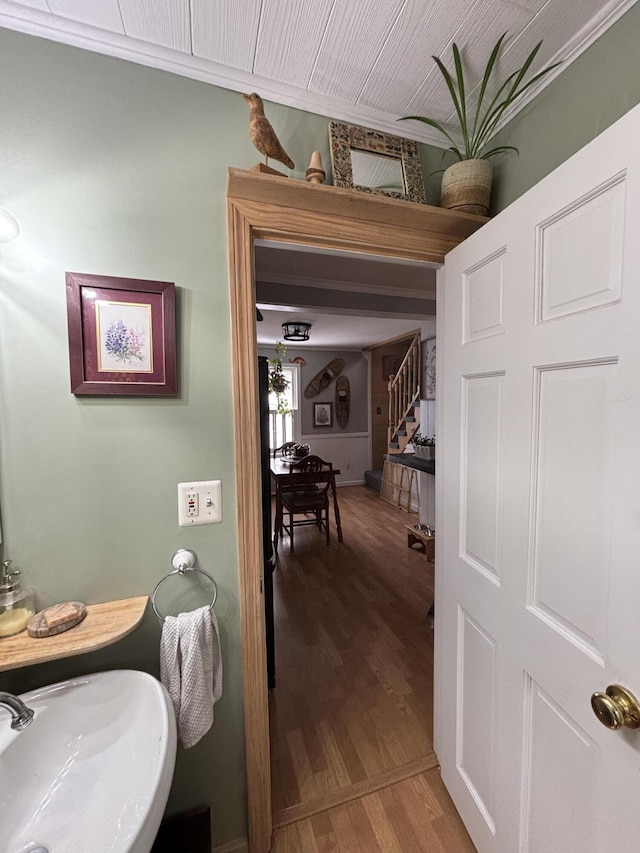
[{"x": 374, "y": 162}]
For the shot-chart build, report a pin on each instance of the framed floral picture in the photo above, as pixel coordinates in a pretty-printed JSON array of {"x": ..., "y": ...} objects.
[
  {"x": 122, "y": 335},
  {"x": 323, "y": 414},
  {"x": 429, "y": 369}
]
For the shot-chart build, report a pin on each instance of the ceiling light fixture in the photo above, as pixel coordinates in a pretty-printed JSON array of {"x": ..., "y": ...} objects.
[{"x": 296, "y": 331}]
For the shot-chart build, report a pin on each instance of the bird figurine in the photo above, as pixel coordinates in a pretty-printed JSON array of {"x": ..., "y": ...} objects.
[{"x": 264, "y": 136}]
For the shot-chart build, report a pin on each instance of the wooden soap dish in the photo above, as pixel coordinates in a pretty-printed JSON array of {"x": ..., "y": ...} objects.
[{"x": 56, "y": 619}]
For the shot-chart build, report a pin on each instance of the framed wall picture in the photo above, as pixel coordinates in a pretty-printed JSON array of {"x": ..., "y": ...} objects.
[
  {"x": 323, "y": 414},
  {"x": 429, "y": 369},
  {"x": 122, "y": 336}
]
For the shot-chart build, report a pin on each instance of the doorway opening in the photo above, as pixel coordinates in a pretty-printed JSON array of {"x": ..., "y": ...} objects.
[
  {"x": 351, "y": 710},
  {"x": 261, "y": 207}
]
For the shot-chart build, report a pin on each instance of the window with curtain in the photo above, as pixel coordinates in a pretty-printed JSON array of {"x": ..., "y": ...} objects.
[{"x": 284, "y": 410}]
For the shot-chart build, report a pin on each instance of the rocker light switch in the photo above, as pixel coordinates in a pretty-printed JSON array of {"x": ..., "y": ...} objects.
[{"x": 199, "y": 503}]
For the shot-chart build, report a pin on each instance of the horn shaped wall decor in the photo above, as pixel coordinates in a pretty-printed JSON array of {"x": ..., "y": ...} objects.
[
  {"x": 343, "y": 399},
  {"x": 324, "y": 378}
]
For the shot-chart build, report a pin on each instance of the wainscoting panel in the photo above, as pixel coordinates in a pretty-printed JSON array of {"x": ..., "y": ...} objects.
[{"x": 350, "y": 452}]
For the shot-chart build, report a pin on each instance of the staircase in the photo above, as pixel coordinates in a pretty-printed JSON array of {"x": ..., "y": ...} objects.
[{"x": 404, "y": 399}]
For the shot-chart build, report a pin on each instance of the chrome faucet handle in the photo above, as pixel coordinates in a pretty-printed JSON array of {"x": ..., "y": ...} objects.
[{"x": 21, "y": 716}]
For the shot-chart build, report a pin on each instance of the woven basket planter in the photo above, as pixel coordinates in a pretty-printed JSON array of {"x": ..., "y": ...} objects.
[{"x": 466, "y": 186}]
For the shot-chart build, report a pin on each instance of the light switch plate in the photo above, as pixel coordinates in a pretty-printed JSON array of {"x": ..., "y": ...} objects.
[{"x": 199, "y": 503}]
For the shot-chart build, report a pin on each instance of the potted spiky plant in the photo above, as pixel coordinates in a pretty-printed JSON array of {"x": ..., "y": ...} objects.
[{"x": 466, "y": 185}]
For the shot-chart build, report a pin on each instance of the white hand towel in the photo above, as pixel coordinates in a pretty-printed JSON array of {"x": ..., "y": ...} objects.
[
  {"x": 191, "y": 670},
  {"x": 170, "y": 662}
]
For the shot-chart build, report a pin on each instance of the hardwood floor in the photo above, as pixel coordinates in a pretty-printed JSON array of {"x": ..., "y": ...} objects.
[
  {"x": 411, "y": 816},
  {"x": 351, "y": 715}
]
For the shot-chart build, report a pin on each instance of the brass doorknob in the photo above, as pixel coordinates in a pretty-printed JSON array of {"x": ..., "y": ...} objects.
[{"x": 617, "y": 707}]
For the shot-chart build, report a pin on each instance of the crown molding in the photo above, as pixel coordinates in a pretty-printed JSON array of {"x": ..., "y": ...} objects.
[
  {"x": 611, "y": 12},
  {"x": 36, "y": 22}
]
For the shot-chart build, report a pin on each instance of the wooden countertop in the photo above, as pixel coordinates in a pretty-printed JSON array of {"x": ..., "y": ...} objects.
[{"x": 103, "y": 625}]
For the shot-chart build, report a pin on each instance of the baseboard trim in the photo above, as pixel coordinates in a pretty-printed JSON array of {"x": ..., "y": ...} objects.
[
  {"x": 240, "y": 845},
  {"x": 354, "y": 792}
]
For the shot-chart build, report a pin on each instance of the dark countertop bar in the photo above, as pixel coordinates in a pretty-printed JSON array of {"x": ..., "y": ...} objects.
[{"x": 413, "y": 461}]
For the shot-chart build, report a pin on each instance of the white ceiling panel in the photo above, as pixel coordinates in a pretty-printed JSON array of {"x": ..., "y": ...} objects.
[
  {"x": 226, "y": 31},
  {"x": 362, "y": 61},
  {"x": 290, "y": 36},
  {"x": 42, "y": 5},
  {"x": 104, "y": 14},
  {"x": 406, "y": 59},
  {"x": 559, "y": 27},
  {"x": 555, "y": 26},
  {"x": 357, "y": 32},
  {"x": 167, "y": 23},
  {"x": 531, "y": 5},
  {"x": 476, "y": 38}
]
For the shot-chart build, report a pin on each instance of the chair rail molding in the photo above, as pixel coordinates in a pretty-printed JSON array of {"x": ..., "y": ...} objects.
[{"x": 333, "y": 435}]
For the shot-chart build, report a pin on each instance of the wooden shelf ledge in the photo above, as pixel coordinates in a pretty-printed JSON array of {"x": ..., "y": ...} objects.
[{"x": 103, "y": 625}]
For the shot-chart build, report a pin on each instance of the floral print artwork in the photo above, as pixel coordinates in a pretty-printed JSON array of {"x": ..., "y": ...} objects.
[
  {"x": 124, "y": 343},
  {"x": 124, "y": 337}
]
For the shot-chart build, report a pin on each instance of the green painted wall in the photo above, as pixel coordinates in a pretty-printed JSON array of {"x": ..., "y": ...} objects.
[
  {"x": 591, "y": 94},
  {"x": 118, "y": 169}
]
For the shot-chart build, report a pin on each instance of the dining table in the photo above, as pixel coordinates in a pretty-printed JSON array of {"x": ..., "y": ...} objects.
[{"x": 283, "y": 473}]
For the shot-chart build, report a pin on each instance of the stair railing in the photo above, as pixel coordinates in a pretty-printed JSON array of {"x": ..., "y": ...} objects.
[{"x": 404, "y": 388}]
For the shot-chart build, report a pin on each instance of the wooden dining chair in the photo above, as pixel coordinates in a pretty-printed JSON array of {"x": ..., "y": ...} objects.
[
  {"x": 306, "y": 493},
  {"x": 283, "y": 450}
]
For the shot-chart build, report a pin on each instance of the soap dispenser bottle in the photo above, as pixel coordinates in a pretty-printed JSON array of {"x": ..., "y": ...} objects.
[{"x": 17, "y": 603}]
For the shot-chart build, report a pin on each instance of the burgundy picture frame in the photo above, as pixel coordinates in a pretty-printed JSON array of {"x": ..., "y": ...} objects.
[{"x": 88, "y": 377}]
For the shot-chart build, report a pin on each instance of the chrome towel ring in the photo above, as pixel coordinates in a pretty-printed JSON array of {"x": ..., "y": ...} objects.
[{"x": 183, "y": 561}]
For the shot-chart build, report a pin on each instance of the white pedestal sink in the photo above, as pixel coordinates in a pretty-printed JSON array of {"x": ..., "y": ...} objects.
[{"x": 93, "y": 770}]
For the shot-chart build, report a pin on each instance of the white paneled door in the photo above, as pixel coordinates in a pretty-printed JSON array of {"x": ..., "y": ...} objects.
[{"x": 538, "y": 510}]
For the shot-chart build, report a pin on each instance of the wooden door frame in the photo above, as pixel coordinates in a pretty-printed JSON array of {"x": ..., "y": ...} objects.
[{"x": 289, "y": 211}]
